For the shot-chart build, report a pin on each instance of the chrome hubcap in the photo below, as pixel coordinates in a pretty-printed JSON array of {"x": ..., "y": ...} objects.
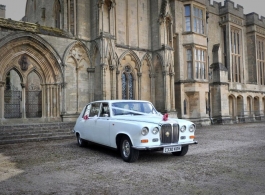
[{"x": 126, "y": 148}]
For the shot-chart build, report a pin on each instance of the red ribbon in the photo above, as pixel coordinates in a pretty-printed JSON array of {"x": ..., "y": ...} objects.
[
  {"x": 165, "y": 117},
  {"x": 85, "y": 117}
]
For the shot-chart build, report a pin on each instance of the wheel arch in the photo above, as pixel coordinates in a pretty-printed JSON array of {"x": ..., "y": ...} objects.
[{"x": 118, "y": 139}]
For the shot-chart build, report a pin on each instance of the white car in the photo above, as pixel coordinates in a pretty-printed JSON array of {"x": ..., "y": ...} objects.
[{"x": 133, "y": 125}]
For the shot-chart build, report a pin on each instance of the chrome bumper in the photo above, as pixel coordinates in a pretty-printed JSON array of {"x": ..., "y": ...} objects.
[{"x": 163, "y": 146}]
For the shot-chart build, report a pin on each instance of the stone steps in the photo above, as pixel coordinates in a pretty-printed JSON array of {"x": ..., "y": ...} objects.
[{"x": 18, "y": 133}]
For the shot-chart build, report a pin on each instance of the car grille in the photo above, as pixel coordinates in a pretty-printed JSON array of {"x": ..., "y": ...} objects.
[{"x": 169, "y": 133}]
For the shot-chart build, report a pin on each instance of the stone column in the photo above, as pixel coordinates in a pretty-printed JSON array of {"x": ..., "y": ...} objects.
[
  {"x": 23, "y": 106},
  {"x": 2, "y": 102},
  {"x": 103, "y": 81},
  {"x": 172, "y": 84},
  {"x": 139, "y": 74},
  {"x": 166, "y": 95}
]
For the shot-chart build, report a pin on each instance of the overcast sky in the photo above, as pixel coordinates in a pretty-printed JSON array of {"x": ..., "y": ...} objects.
[{"x": 15, "y": 9}]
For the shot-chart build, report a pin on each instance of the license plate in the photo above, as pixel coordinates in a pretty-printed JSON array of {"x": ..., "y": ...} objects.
[{"x": 172, "y": 149}]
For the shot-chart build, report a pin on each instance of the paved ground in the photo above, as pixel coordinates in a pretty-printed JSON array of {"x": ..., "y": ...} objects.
[{"x": 227, "y": 160}]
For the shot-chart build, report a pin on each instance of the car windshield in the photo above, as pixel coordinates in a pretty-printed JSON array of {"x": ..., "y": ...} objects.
[{"x": 133, "y": 108}]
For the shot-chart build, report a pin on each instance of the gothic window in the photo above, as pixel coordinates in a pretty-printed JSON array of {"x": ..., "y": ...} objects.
[
  {"x": 127, "y": 84},
  {"x": 187, "y": 18},
  {"x": 189, "y": 63},
  {"x": 236, "y": 54},
  {"x": 72, "y": 16},
  {"x": 57, "y": 13},
  {"x": 194, "y": 20},
  {"x": 168, "y": 31},
  {"x": 260, "y": 45},
  {"x": 200, "y": 63},
  {"x": 196, "y": 64}
]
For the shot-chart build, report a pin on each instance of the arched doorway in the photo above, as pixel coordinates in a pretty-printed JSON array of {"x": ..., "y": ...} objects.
[
  {"x": 33, "y": 96},
  {"x": 13, "y": 95}
]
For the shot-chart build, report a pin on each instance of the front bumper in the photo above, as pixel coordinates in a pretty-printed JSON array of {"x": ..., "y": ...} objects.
[{"x": 155, "y": 147}]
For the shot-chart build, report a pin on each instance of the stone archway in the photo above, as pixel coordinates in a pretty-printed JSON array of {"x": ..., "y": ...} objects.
[
  {"x": 13, "y": 95},
  {"x": 38, "y": 66}
]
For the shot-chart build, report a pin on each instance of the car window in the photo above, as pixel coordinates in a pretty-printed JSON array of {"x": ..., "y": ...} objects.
[
  {"x": 86, "y": 111},
  {"x": 134, "y": 108},
  {"x": 94, "y": 109},
  {"x": 104, "y": 110}
]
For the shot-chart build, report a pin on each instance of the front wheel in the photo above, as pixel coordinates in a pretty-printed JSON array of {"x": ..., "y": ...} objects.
[
  {"x": 183, "y": 151},
  {"x": 128, "y": 153},
  {"x": 80, "y": 141}
]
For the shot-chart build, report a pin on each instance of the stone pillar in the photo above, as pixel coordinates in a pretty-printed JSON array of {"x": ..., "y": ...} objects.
[
  {"x": 23, "y": 106},
  {"x": 112, "y": 83},
  {"x": 103, "y": 81},
  {"x": 219, "y": 89},
  {"x": 2, "y": 97},
  {"x": 165, "y": 91},
  {"x": 172, "y": 88},
  {"x": 139, "y": 74}
]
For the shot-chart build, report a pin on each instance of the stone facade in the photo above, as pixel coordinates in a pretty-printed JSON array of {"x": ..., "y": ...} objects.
[{"x": 193, "y": 59}]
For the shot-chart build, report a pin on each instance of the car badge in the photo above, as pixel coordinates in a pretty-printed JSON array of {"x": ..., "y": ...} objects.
[{"x": 167, "y": 134}]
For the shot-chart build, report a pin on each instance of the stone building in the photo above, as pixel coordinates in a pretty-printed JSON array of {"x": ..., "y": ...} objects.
[{"x": 200, "y": 61}]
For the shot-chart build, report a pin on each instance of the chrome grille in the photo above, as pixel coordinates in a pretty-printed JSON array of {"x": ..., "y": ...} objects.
[{"x": 169, "y": 133}]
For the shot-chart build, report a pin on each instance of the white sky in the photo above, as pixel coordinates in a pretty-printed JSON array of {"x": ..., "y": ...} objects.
[{"x": 15, "y": 9}]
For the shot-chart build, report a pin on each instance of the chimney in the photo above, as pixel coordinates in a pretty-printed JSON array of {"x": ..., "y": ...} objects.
[{"x": 2, "y": 11}]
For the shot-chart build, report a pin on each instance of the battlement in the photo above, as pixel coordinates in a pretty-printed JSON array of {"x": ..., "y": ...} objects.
[
  {"x": 229, "y": 7},
  {"x": 3, "y": 7},
  {"x": 253, "y": 18},
  {"x": 214, "y": 7}
]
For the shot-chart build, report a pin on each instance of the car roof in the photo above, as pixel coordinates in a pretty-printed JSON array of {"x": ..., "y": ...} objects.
[{"x": 114, "y": 101}]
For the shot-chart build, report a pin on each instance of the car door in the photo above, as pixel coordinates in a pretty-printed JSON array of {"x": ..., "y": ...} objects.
[
  {"x": 102, "y": 123},
  {"x": 83, "y": 124}
]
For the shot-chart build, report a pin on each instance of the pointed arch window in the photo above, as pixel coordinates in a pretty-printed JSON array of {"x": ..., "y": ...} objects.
[
  {"x": 57, "y": 14},
  {"x": 127, "y": 84},
  {"x": 72, "y": 16}
]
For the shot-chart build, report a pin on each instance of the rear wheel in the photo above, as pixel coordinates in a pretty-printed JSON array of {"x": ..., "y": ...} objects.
[
  {"x": 183, "y": 151},
  {"x": 128, "y": 153},
  {"x": 80, "y": 141}
]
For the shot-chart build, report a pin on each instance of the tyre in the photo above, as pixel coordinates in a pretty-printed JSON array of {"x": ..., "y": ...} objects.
[
  {"x": 183, "y": 151},
  {"x": 128, "y": 153},
  {"x": 80, "y": 141}
]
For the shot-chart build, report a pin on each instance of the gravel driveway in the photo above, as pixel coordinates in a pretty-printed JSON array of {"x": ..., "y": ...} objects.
[{"x": 229, "y": 159}]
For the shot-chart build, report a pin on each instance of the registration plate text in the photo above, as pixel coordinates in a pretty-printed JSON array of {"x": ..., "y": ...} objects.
[{"x": 172, "y": 149}]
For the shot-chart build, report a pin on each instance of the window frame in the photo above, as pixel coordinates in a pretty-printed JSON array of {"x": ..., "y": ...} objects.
[
  {"x": 236, "y": 55},
  {"x": 260, "y": 57},
  {"x": 193, "y": 19},
  {"x": 196, "y": 74}
]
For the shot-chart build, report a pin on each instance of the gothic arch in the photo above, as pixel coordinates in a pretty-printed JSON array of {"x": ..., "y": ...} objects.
[
  {"x": 71, "y": 46},
  {"x": 27, "y": 53},
  {"x": 249, "y": 106},
  {"x": 134, "y": 57},
  {"x": 37, "y": 49},
  {"x": 77, "y": 63},
  {"x": 231, "y": 101}
]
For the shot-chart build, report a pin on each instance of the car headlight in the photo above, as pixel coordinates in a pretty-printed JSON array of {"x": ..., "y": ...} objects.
[
  {"x": 144, "y": 131},
  {"x": 183, "y": 128},
  {"x": 155, "y": 130},
  {"x": 192, "y": 128}
]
